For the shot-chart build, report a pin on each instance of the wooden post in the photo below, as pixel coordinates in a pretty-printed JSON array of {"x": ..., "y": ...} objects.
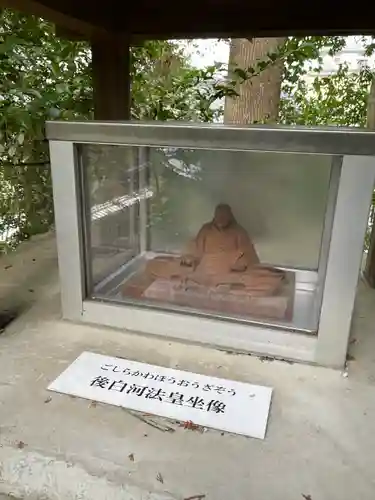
[
  {"x": 111, "y": 87},
  {"x": 111, "y": 78},
  {"x": 369, "y": 271}
]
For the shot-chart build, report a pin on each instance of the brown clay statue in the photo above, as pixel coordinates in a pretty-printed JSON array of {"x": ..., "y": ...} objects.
[
  {"x": 222, "y": 254},
  {"x": 226, "y": 239}
]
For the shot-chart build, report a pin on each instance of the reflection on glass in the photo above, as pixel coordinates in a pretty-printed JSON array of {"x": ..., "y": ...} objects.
[
  {"x": 111, "y": 186},
  {"x": 230, "y": 233}
]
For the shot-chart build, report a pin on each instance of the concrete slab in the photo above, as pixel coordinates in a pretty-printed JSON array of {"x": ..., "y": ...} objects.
[
  {"x": 319, "y": 445},
  {"x": 25, "y": 274}
]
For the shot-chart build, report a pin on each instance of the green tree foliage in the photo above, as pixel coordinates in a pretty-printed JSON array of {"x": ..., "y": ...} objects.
[
  {"x": 166, "y": 87},
  {"x": 338, "y": 99},
  {"x": 41, "y": 77},
  {"x": 44, "y": 77}
]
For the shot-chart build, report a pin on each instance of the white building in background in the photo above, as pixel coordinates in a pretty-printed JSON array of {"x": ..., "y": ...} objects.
[
  {"x": 207, "y": 52},
  {"x": 204, "y": 53},
  {"x": 352, "y": 55}
]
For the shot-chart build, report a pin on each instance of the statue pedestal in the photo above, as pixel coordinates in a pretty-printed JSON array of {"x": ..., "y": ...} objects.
[
  {"x": 221, "y": 299},
  {"x": 224, "y": 300}
]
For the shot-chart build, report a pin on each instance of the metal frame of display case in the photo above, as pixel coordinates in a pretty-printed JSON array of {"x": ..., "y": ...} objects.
[{"x": 352, "y": 178}]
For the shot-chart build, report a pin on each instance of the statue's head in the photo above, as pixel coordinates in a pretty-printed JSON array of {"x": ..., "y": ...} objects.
[{"x": 223, "y": 216}]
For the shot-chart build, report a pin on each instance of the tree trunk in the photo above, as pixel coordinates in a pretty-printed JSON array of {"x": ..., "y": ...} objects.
[
  {"x": 369, "y": 271},
  {"x": 259, "y": 97}
]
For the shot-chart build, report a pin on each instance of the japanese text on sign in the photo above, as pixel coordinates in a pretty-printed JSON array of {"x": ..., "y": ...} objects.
[
  {"x": 168, "y": 380},
  {"x": 176, "y": 398}
]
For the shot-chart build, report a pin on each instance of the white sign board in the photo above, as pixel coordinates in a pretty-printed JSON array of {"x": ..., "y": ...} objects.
[{"x": 207, "y": 401}]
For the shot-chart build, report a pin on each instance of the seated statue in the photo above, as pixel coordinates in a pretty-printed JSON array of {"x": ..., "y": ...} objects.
[
  {"x": 222, "y": 254},
  {"x": 225, "y": 238}
]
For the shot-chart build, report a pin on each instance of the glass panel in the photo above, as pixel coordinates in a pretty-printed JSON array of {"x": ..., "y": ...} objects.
[
  {"x": 111, "y": 181},
  {"x": 228, "y": 233},
  {"x": 280, "y": 199}
]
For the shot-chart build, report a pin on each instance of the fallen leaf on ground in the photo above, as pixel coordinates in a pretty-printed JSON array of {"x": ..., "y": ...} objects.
[
  {"x": 307, "y": 497},
  {"x": 131, "y": 457},
  {"x": 48, "y": 400},
  {"x": 159, "y": 478},
  {"x": 195, "y": 497},
  {"x": 191, "y": 426},
  {"x": 21, "y": 445}
]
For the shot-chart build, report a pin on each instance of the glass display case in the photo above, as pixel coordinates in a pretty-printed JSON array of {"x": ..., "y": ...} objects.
[{"x": 243, "y": 238}]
